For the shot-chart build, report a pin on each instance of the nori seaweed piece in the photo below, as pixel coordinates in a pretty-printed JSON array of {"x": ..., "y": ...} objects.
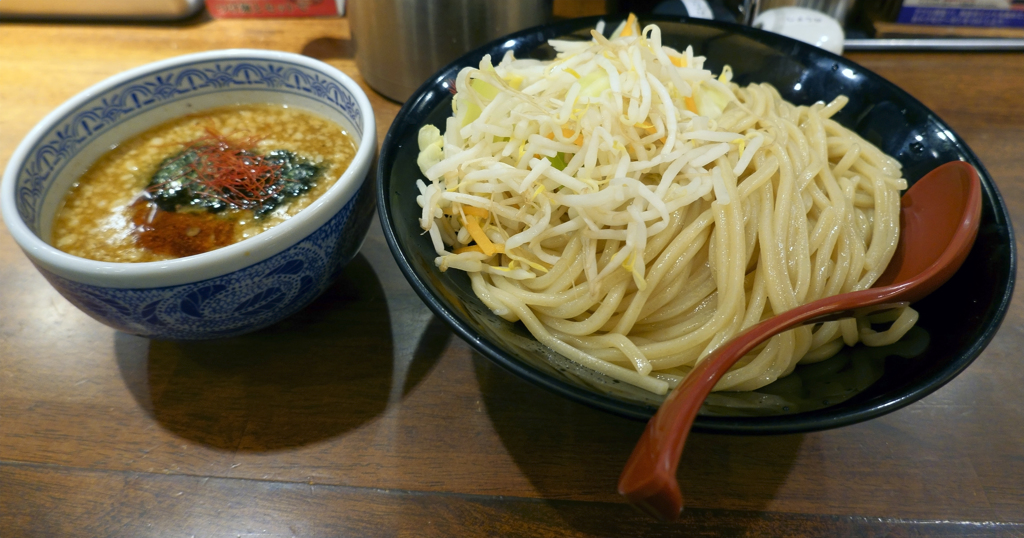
[
  {"x": 294, "y": 177},
  {"x": 177, "y": 184}
]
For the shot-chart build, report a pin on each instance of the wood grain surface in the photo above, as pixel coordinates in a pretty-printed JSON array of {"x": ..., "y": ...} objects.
[{"x": 363, "y": 415}]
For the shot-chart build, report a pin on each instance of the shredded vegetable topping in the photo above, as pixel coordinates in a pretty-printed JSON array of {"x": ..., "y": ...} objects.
[{"x": 529, "y": 140}]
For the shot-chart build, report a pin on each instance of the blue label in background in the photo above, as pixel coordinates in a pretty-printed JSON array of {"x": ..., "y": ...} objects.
[{"x": 950, "y": 16}]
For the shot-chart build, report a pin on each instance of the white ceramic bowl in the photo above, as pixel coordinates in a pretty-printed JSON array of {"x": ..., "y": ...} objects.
[{"x": 229, "y": 291}]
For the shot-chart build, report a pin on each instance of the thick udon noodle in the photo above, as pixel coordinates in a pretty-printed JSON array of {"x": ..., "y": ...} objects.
[{"x": 634, "y": 212}]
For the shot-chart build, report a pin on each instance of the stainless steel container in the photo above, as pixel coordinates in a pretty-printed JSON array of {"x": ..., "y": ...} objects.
[{"x": 400, "y": 43}]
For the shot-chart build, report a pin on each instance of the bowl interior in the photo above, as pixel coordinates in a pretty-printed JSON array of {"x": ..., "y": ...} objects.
[
  {"x": 956, "y": 322},
  {"x": 75, "y": 135}
]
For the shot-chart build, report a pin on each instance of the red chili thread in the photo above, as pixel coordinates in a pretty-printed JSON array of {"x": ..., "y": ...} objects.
[{"x": 230, "y": 171}]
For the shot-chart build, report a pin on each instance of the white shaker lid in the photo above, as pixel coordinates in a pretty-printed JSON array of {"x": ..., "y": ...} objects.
[{"x": 804, "y": 24}]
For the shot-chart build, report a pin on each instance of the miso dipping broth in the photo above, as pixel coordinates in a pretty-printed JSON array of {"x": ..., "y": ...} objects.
[{"x": 201, "y": 182}]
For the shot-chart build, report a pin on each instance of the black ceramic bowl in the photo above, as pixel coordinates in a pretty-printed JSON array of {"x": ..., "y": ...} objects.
[{"x": 956, "y": 322}]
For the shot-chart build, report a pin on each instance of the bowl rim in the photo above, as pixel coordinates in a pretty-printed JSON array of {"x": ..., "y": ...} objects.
[
  {"x": 211, "y": 264},
  {"x": 818, "y": 420}
]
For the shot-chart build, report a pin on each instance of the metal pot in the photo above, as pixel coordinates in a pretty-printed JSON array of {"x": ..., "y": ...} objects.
[{"x": 400, "y": 43}]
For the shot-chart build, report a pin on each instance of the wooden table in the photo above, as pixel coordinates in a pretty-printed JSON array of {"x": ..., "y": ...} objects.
[{"x": 364, "y": 416}]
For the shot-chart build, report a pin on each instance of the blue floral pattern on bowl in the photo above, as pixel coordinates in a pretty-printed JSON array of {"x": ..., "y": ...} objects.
[{"x": 282, "y": 277}]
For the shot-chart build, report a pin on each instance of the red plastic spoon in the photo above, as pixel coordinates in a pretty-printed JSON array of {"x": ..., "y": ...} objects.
[{"x": 939, "y": 222}]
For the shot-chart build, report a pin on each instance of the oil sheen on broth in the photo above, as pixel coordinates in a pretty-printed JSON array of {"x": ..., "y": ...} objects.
[{"x": 201, "y": 182}]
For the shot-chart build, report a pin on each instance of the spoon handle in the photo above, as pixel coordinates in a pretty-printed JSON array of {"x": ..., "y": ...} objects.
[{"x": 648, "y": 480}]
